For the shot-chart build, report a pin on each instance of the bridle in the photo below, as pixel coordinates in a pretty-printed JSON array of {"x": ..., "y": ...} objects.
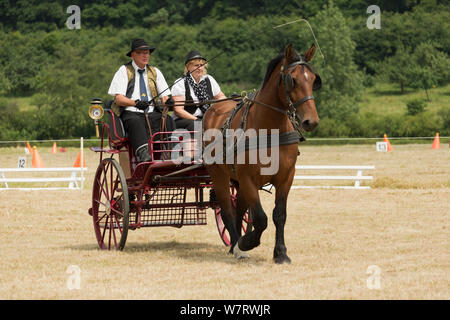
[{"x": 288, "y": 82}]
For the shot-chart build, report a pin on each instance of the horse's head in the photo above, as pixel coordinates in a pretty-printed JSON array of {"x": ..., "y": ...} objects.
[{"x": 297, "y": 82}]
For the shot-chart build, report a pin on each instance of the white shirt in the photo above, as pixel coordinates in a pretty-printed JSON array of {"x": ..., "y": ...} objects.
[
  {"x": 178, "y": 89},
  {"x": 119, "y": 85}
]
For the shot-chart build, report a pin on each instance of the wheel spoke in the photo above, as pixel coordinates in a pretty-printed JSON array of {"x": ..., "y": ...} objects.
[
  {"x": 104, "y": 229},
  {"x": 99, "y": 202},
  {"x": 117, "y": 212},
  {"x": 105, "y": 180},
  {"x": 118, "y": 224},
  {"x": 116, "y": 183},
  {"x": 102, "y": 189},
  {"x": 99, "y": 219},
  {"x": 111, "y": 180},
  {"x": 110, "y": 230},
  {"x": 113, "y": 230}
]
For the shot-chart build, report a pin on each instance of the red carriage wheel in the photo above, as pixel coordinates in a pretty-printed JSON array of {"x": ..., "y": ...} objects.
[
  {"x": 110, "y": 205},
  {"x": 246, "y": 221}
]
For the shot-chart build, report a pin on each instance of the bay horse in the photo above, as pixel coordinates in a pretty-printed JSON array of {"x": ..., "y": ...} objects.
[{"x": 285, "y": 94}]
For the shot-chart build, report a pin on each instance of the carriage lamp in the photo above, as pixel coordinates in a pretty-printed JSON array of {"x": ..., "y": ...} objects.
[{"x": 96, "y": 112}]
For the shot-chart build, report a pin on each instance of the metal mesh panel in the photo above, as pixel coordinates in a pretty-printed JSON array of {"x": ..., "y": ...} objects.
[{"x": 173, "y": 206}]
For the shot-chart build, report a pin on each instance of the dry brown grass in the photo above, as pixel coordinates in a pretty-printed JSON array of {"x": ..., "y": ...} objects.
[{"x": 401, "y": 225}]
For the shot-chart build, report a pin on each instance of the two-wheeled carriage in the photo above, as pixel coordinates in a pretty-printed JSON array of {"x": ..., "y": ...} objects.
[{"x": 128, "y": 195}]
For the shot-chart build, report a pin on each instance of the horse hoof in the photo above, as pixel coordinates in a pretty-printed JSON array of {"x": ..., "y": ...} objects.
[
  {"x": 282, "y": 260},
  {"x": 239, "y": 254}
]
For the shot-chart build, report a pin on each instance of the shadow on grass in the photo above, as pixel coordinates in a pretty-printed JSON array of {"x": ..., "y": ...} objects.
[{"x": 193, "y": 251}]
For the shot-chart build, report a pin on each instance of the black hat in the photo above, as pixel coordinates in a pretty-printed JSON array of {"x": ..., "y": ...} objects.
[
  {"x": 193, "y": 55},
  {"x": 139, "y": 44}
]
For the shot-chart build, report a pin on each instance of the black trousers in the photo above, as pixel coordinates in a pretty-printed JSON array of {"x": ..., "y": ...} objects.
[
  {"x": 187, "y": 124},
  {"x": 137, "y": 128}
]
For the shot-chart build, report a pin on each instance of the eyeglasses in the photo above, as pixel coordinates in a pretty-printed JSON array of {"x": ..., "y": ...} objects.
[
  {"x": 144, "y": 53},
  {"x": 198, "y": 65}
]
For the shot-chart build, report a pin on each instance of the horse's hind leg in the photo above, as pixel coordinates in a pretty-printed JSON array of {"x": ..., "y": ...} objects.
[
  {"x": 241, "y": 208},
  {"x": 222, "y": 190},
  {"x": 252, "y": 239},
  {"x": 279, "y": 218}
]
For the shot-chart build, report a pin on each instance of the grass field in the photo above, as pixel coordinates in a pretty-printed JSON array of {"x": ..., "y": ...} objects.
[
  {"x": 385, "y": 98},
  {"x": 335, "y": 238}
]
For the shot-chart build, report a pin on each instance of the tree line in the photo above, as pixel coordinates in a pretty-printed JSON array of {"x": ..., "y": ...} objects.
[{"x": 60, "y": 70}]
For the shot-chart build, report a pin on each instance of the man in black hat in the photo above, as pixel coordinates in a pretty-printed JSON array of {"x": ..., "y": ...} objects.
[
  {"x": 137, "y": 86},
  {"x": 197, "y": 86}
]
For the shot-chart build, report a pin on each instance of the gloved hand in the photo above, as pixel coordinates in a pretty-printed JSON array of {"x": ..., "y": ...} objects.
[
  {"x": 141, "y": 105},
  {"x": 170, "y": 101},
  {"x": 236, "y": 97}
]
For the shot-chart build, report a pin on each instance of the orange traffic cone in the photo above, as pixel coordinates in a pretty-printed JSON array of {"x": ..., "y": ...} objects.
[
  {"x": 29, "y": 148},
  {"x": 389, "y": 147},
  {"x": 37, "y": 161},
  {"x": 78, "y": 161},
  {"x": 54, "y": 149},
  {"x": 436, "y": 143}
]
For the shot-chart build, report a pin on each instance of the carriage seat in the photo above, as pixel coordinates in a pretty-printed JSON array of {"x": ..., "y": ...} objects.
[{"x": 118, "y": 137}]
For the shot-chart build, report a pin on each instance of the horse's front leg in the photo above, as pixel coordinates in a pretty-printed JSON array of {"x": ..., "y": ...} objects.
[{"x": 279, "y": 219}]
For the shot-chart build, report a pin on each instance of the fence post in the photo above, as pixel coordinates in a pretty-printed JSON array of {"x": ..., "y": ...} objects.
[
  {"x": 358, "y": 182},
  {"x": 2, "y": 175},
  {"x": 82, "y": 164}
]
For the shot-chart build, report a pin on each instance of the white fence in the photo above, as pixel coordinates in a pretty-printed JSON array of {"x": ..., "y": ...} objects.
[
  {"x": 34, "y": 176},
  {"x": 75, "y": 180},
  {"x": 358, "y": 178}
]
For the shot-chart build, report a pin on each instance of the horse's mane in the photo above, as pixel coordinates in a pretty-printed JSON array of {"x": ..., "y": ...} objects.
[{"x": 273, "y": 63}]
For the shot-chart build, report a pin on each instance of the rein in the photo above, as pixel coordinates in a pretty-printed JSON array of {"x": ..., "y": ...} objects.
[
  {"x": 292, "y": 115},
  {"x": 204, "y": 102}
]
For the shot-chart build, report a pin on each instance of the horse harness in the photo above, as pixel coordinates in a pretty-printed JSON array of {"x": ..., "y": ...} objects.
[{"x": 248, "y": 101}]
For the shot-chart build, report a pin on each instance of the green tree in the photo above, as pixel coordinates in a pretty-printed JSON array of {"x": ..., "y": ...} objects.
[
  {"x": 397, "y": 69},
  {"x": 62, "y": 96},
  {"x": 408, "y": 29},
  {"x": 159, "y": 17},
  {"x": 415, "y": 106},
  {"x": 342, "y": 82},
  {"x": 430, "y": 67}
]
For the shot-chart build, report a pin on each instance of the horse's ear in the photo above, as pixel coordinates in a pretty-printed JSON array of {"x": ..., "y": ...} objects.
[
  {"x": 310, "y": 53},
  {"x": 289, "y": 53}
]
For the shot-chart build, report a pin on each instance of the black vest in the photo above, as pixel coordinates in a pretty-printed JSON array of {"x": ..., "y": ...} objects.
[{"x": 189, "y": 99}]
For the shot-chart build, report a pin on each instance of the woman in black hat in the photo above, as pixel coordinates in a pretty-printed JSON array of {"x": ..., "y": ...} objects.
[{"x": 197, "y": 86}]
